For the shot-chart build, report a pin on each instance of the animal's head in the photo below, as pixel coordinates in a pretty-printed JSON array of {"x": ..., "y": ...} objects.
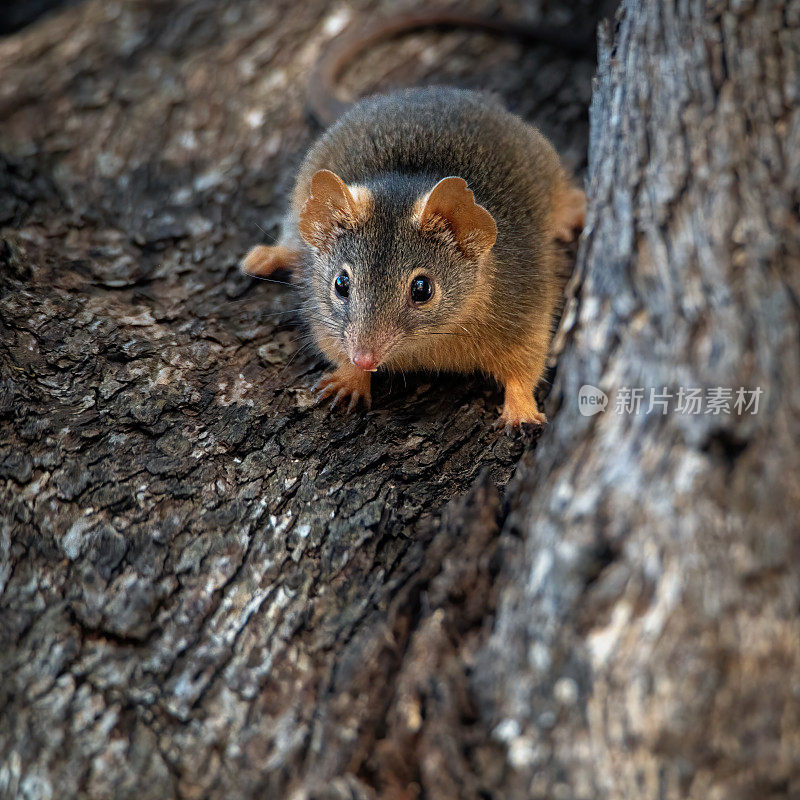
[{"x": 393, "y": 266}]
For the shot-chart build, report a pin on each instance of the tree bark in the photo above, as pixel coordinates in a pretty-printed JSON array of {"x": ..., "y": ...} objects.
[
  {"x": 210, "y": 588},
  {"x": 656, "y": 559}
]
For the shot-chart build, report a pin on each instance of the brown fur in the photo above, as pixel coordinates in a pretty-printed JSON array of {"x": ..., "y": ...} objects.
[{"x": 448, "y": 184}]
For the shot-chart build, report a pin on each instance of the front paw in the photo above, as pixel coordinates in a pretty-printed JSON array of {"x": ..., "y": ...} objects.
[
  {"x": 346, "y": 383},
  {"x": 527, "y": 420}
]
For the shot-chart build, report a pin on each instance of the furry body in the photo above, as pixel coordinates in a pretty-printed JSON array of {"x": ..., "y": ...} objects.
[{"x": 493, "y": 305}]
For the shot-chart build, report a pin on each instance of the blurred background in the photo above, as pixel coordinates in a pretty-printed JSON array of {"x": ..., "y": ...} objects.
[
  {"x": 16, "y": 14},
  {"x": 202, "y": 104}
]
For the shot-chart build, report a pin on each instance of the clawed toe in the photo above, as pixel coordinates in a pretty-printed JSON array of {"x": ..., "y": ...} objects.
[
  {"x": 357, "y": 398},
  {"x": 341, "y": 390},
  {"x": 340, "y": 396},
  {"x": 525, "y": 427},
  {"x": 324, "y": 388}
]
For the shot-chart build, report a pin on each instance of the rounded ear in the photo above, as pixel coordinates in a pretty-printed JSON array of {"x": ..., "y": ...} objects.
[
  {"x": 331, "y": 205},
  {"x": 452, "y": 202}
]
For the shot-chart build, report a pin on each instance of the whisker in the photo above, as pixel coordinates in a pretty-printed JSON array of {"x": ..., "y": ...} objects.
[
  {"x": 276, "y": 313},
  {"x": 270, "y": 280},
  {"x": 278, "y": 379},
  {"x": 297, "y": 353}
]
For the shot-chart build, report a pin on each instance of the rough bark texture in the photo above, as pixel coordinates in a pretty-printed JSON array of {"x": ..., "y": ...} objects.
[
  {"x": 209, "y": 588},
  {"x": 684, "y": 649}
]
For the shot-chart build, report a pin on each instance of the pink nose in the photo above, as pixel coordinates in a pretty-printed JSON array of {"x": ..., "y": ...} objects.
[{"x": 366, "y": 361}]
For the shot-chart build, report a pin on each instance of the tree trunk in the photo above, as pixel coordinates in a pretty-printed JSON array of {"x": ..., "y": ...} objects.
[{"x": 210, "y": 588}]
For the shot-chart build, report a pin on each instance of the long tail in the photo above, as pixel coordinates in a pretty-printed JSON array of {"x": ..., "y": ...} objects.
[{"x": 324, "y": 103}]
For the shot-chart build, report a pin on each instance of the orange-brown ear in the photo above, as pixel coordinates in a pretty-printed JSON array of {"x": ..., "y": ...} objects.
[
  {"x": 452, "y": 203},
  {"x": 331, "y": 206}
]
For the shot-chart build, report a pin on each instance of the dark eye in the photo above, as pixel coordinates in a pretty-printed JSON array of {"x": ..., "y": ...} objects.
[
  {"x": 342, "y": 284},
  {"x": 421, "y": 289}
]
